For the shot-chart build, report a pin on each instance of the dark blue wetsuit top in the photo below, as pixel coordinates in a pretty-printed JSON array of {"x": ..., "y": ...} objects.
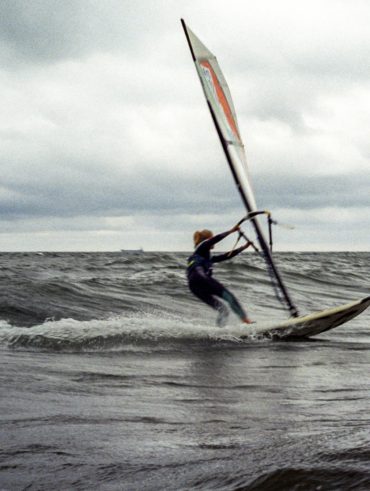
[{"x": 201, "y": 260}]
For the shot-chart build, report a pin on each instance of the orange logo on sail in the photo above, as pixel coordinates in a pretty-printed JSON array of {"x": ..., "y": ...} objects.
[{"x": 219, "y": 93}]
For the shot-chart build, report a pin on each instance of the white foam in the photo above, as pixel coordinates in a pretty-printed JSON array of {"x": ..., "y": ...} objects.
[{"x": 134, "y": 328}]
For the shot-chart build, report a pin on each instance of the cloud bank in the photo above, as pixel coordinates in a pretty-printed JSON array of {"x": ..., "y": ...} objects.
[{"x": 106, "y": 142}]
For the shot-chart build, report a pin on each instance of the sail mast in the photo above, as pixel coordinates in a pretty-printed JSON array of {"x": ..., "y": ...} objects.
[{"x": 223, "y": 114}]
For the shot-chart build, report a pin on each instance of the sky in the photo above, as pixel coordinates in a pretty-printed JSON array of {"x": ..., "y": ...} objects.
[{"x": 106, "y": 142}]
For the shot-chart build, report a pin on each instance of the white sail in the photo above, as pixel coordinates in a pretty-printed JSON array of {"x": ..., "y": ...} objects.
[{"x": 218, "y": 96}]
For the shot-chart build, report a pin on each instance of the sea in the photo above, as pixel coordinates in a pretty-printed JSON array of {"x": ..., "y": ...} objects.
[{"x": 114, "y": 377}]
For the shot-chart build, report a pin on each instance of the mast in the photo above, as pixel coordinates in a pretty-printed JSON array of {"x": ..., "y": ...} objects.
[{"x": 223, "y": 115}]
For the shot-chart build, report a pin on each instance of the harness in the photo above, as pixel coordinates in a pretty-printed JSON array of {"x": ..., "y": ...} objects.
[{"x": 196, "y": 260}]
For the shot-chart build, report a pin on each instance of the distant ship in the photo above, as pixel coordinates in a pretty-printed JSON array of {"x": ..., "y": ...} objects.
[{"x": 133, "y": 251}]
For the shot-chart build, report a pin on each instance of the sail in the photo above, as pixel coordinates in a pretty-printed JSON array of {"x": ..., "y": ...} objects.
[{"x": 224, "y": 117}]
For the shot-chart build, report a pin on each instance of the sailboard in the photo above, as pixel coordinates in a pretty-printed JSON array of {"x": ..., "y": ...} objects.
[
  {"x": 312, "y": 324},
  {"x": 221, "y": 107}
]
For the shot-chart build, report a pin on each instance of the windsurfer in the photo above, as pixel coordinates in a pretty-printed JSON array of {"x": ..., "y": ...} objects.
[{"x": 201, "y": 282}]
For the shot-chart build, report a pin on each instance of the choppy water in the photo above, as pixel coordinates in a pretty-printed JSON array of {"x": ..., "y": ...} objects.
[{"x": 114, "y": 377}]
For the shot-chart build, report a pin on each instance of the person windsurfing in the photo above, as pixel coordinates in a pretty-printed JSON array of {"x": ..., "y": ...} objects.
[{"x": 200, "y": 280}]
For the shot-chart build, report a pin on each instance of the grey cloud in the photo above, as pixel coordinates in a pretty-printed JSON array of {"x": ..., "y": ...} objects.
[
  {"x": 75, "y": 192},
  {"x": 287, "y": 97},
  {"x": 86, "y": 188},
  {"x": 46, "y": 31},
  {"x": 310, "y": 192},
  {"x": 283, "y": 81}
]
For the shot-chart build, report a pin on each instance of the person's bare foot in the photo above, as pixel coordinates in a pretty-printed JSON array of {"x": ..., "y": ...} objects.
[{"x": 247, "y": 321}]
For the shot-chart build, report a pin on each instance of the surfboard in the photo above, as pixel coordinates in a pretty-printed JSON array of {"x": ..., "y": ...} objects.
[{"x": 312, "y": 324}]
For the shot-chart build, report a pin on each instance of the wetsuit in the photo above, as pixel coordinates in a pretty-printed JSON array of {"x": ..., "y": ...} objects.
[{"x": 206, "y": 288}]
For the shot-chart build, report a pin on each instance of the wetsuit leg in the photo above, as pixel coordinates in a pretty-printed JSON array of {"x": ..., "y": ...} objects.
[
  {"x": 234, "y": 304},
  {"x": 215, "y": 303},
  {"x": 205, "y": 291},
  {"x": 208, "y": 289}
]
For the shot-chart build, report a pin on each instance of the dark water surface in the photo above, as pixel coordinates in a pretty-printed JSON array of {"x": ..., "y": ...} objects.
[{"x": 113, "y": 377}]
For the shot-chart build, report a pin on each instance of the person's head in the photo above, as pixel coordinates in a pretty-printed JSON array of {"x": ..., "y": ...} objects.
[{"x": 201, "y": 235}]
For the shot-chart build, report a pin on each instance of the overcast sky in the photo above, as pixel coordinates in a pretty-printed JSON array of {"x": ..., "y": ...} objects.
[{"x": 106, "y": 141}]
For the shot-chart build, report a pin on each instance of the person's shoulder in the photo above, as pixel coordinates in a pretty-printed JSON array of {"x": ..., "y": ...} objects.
[{"x": 201, "y": 245}]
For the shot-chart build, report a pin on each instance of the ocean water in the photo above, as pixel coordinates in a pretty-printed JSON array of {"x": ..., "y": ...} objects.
[{"x": 113, "y": 377}]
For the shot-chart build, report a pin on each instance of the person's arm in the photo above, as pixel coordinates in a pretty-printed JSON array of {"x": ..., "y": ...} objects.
[
  {"x": 229, "y": 255},
  {"x": 207, "y": 244}
]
